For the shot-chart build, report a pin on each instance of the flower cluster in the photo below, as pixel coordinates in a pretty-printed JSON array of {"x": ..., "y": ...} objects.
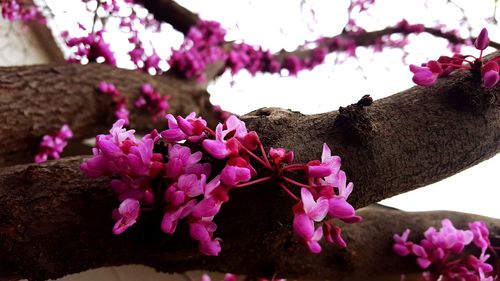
[
  {"x": 12, "y": 10},
  {"x": 164, "y": 171},
  {"x": 440, "y": 253},
  {"x": 121, "y": 111},
  {"x": 53, "y": 145},
  {"x": 428, "y": 73},
  {"x": 205, "y": 44},
  {"x": 91, "y": 48},
  {"x": 152, "y": 101}
]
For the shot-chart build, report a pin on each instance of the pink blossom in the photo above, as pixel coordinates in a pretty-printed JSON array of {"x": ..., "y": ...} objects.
[
  {"x": 126, "y": 215},
  {"x": 304, "y": 228},
  {"x": 482, "y": 40},
  {"x": 180, "y": 160},
  {"x": 330, "y": 165},
  {"x": 170, "y": 218},
  {"x": 316, "y": 210},
  {"x": 152, "y": 101},
  {"x": 53, "y": 145},
  {"x": 189, "y": 128},
  {"x": 401, "y": 246}
]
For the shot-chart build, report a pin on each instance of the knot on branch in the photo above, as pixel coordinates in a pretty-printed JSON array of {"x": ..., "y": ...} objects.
[{"x": 353, "y": 123}]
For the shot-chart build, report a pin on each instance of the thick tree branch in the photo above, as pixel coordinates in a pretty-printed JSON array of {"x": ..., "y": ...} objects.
[
  {"x": 53, "y": 222},
  {"x": 170, "y": 12},
  {"x": 36, "y": 100}
]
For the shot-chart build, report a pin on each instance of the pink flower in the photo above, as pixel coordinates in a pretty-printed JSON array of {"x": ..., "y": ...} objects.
[
  {"x": 304, "y": 228},
  {"x": 330, "y": 165},
  {"x": 280, "y": 155},
  {"x": 236, "y": 170},
  {"x": 202, "y": 231},
  {"x": 333, "y": 235},
  {"x": 480, "y": 234},
  {"x": 482, "y": 40},
  {"x": 53, "y": 145},
  {"x": 180, "y": 160},
  {"x": 227, "y": 137},
  {"x": 338, "y": 205},
  {"x": 126, "y": 215},
  {"x": 170, "y": 218},
  {"x": 187, "y": 186},
  {"x": 489, "y": 73},
  {"x": 189, "y": 128},
  {"x": 315, "y": 210},
  {"x": 426, "y": 75},
  {"x": 401, "y": 246}
]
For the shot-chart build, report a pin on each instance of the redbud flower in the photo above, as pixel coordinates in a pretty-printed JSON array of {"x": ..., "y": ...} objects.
[
  {"x": 126, "y": 215},
  {"x": 53, "y": 145},
  {"x": 482, "y": 40}
]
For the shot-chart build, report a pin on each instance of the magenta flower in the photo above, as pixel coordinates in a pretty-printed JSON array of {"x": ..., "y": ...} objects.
[
  {"x": 401, "y": 246},
  {"x": 53, "y": 145},
  {"x": 189, "y": 128},
  {"x": 338, "y": 205},
  {"x": 237, "y": 170},
  {"x": 280, "y": 155},
  {"x": 227, "y": 137},
  {"x": 126, "y": 215},
  {"x": 315, "y": 210},
  {"x": 330, "y": 165},
  {"x": 425, "y": 75},
  {"x": 170, "y": 218},
  {"x": 304, "y": 228},
  {"x": 181, "y": 161},
  {"x": 482, "y": 40},
  {"x": 480, "y": 234}
]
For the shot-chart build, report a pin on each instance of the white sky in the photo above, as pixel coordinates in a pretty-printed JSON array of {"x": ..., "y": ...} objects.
[{"x": 283, "y": 24}]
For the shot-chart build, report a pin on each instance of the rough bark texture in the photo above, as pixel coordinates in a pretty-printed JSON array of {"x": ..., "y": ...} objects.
[
  {"x": 37, "y": 100},
  {"x": 54, "y": 222}
]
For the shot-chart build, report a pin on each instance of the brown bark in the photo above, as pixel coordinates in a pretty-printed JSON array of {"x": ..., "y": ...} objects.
[
  {"x": 53, "y": 222},
  {"x": 37, "y": 100},
  {"x": 170, "y": 12}
]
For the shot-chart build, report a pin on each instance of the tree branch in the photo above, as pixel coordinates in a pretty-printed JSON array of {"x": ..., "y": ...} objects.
[
  {"x": 370, "y": 38},
  {"x": 53, "y": 222},
  {"x": 37, "y": 100},
  {"x": 170, "y": 12}
]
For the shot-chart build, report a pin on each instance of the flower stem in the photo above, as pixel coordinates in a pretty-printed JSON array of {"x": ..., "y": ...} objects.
[
  {"x": 254, "y": 181},
  {"x": 288, "y": 191},
  {"x": 268, "y": 166},
  {"x": 294, "y": 182}
]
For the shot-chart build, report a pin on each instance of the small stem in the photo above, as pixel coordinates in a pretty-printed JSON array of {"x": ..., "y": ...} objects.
[
  {"x": 254, "y": 181},
  {"x": 264, "y": 154},
  {"x": 210, "y": 131},
  {"x": 294, "y": 182},
  {"x": 288, "y": 191},
  {"x": 268, "y": 166},
  {"x": 294, "y": 167}
]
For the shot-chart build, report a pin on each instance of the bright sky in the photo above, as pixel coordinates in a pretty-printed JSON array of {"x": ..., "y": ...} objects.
[{"x": 287, "y": 23}]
